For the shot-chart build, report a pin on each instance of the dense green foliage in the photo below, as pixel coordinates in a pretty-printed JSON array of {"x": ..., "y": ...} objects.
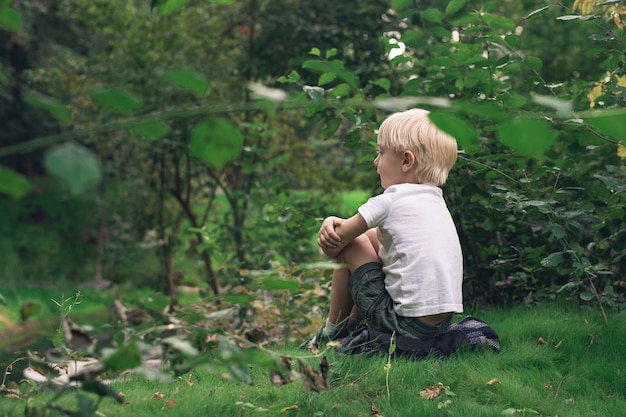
[{"x": 186, "y": 148}]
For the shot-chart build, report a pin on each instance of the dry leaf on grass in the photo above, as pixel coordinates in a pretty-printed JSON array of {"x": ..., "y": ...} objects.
[
  {"x": 433, "y": 391},
  {"x": 375, "y": 412},
  {"x": 290, "y": 408},
  {"x": 285, "y": 376},
  {"x": 314, "y": 380},
  {"x": 493, "y": 381}
]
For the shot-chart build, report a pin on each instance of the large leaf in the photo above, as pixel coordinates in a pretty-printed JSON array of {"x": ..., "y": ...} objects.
[
  {"x": 453, "y": 125},
  {"x": 188, "y": 80},
  {"x": 170, "y": 6},
  {"x": 74, "y": 164},
  {"x": 150, "y": 130},
  {"x": 56, "y": 109},
  {"x": 10, "y": 19},
  {"x": 216, "y": 142},
  {"x": 529, "y": 137},
  {"x": 608, "y": 122},
  {"x": 116, "y": 99},
  {"x": 454, "y": 6},
  {"x": 123, "y": 358},
  {"x": 13, "y": 184}
]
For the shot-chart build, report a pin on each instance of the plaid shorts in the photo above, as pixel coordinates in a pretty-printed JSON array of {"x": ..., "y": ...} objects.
[{"x": 367, "y": 286}]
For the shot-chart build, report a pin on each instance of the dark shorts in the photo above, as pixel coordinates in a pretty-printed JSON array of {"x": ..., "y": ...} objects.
[{"x": 367, "y": 286}]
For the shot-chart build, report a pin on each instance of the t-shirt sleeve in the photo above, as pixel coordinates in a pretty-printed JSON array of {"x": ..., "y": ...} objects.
[{"x": 375, "y": 210}]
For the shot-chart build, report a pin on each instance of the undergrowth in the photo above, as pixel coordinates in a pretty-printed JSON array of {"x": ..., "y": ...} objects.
[{"x": 555, "y": 360}]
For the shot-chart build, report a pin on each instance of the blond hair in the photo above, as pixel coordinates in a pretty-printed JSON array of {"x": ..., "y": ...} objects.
[{"x": 435, "y": 151}]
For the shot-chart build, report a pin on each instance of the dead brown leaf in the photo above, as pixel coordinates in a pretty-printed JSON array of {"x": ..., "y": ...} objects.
[
  {"x": 493, "y": 381},
  {"x": 433, "y": 391},
  {"x": 189, "y": 380},
  {"x": 158, "y": 395},
  {"x": 314, "y": 380},
  {"x": 170, "y": 403},
  {"x": 290, "y": 408},
  {"x": 285, "y": 377},
  {"x": 375, "y": 412}
]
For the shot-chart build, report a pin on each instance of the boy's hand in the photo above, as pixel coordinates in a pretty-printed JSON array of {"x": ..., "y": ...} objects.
[{"x": 327, "y": 237}]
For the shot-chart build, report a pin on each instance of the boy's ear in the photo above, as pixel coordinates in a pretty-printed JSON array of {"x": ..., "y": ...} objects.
[{"x": 408, "y": 161}]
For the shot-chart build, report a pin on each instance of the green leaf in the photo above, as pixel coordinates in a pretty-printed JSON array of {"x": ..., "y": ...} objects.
[
  {"x": 552, "y": 260},
  {"x": 383, "y": 83},
  {"x": 13, "y": 184},
  {"x": 150, "y": 130},
  {"x": 170, "y": 6},
  {"x": 601, "y": 38},
  {"x": 181, "y": 345},
  {"x": 529, "y": 137},
  {"x": 188, "y": 80},
  {"x": 314, "y": 93},
  {"x": 533, "y": 63},
  {"x": 536, "y": 12},
  {"x": 331, "y": 53},
  {"x": 74, "y": 164},
  {"x": 455, "y": 126},
  {"x": 315, "y": 51},
  {"x": 326, "y": 78},
  {"x": 398, "y": 5},
  {"x": 559, "y": 105},
  {"x": 116, "y": 99},
  {"x": 334, "y": 67},
  {"x": 499, "y": 22},
  {"x": 216, "y": 141},
  {"x": 577, "y": 17},
  {"x": 280, "y": 284},
  {"x": 433, "y": 15},
  {"x": 125, "y": 357},
  {"x": 10, "y": 19},
  {"x": 608, "y": 122},
  {"x": 454, "y": 6},
  {"x": 341, "y": 90},
  {"x": 558, "y": 231},
  {"x": 59, "y": 111}
]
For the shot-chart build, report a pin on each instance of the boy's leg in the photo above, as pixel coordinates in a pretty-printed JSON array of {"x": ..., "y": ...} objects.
[
  {"x": 340, "y": 299},
  {"x": 363, "y": 249},
  {"x": 342, "y": 311}
]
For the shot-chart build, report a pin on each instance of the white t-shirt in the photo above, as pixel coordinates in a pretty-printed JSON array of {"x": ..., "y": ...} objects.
[{"x": 419, "y": 247}]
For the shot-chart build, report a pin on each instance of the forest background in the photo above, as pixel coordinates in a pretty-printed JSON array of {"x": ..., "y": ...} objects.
[{"x": 199, "y": 143}]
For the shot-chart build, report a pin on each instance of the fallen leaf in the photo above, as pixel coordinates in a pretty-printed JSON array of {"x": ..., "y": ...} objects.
[
  {"x": 433, "y": 391},
  {"x": 158, "y": 395},
  {"x": 493, "y": 381},
  {"x": 170, "y": 403},
  {"x": 314, "y": 380},
  {"x": 284, "y": 375},
  {"x": 548, "y": 386},
  {"x": 541, "y": 341},
  {"x": 375, "y": 412},
  {"x": 189, "y": 381},
  {"x": 290, "y": 408}
]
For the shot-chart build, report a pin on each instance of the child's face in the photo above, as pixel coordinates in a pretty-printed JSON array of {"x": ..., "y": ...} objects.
[{"x": 389, "y": 166}]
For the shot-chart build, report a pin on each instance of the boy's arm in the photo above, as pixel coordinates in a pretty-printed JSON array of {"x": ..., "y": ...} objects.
[{"x": 336, "y": 233}]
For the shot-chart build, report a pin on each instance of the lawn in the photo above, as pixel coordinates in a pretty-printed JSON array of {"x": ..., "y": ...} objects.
[{"x": 556, "y": 360}]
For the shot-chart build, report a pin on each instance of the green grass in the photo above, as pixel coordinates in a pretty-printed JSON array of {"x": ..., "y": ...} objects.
[{"x": 576, "y": 372}]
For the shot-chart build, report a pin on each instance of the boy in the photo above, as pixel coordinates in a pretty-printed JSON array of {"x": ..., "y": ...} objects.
[{"x": 402, "y": 252}]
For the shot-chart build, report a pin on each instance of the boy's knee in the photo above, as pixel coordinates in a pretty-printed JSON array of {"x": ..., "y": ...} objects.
[{"x": 358, "y": 252}]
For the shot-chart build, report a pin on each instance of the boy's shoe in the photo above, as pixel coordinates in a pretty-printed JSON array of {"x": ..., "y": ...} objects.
[{"x": 322, "y": 338}]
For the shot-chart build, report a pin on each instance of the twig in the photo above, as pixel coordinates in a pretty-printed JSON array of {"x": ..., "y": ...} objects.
[
  {"x": 8, "y": 369},
  {"x": 558, "y": 388}
]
